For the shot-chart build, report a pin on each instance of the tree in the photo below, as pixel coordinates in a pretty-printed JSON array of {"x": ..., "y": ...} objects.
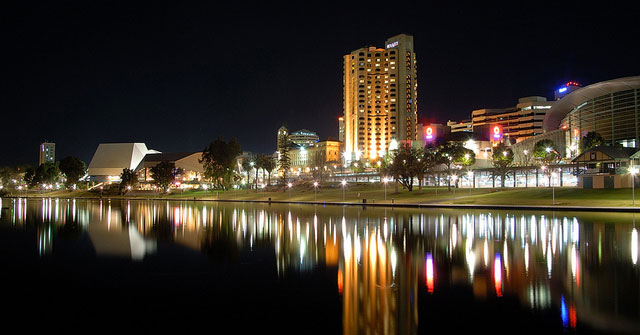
[
  {"x": 357, "y": 166},
  {"x": 430, "y": 159},
  {"x": 590, "y": 140},
  {"x": 404, "y": 166},
  {"x": 502, "y": 161},
  {"x": 163, "y": 174},
  {"x": 247, "y": 166},
  {"x": 284, "y": 159},
  {"x": 47, "y": 173},
  {"x": 128, "y": 178},
  {"x": 218, "y": 160},
  {"x": 547, "y": 154},
  {"x": 455, "y": 156},
  {"x": 73, "y": 168},
  {"x": 29, "y": 176},
  {"x": 268, "y": 164},
  {"x": 8, "y": 175}
]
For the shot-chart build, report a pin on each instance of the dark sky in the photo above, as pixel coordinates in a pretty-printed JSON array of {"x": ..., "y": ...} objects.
[{"x": 176, "y": 76}]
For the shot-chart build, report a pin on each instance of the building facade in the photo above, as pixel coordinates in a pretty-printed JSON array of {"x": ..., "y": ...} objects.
[
  {"x": 282, "y": 133},
  {"x": 188, "y": 162},
  {"x": 517, "y": 123},
  {"x": 380, "y": 97},
  {"x": 303, "y": 137},
  {"x": 304, "y": 159},
  {"x": 47, "y": 153},
  {"x": 610, "y": 108}
]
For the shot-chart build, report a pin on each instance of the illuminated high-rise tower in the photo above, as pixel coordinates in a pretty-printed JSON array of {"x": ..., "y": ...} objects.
[
  {"x": 380, "y": 97},
  {"x": 47, "y": 153}
]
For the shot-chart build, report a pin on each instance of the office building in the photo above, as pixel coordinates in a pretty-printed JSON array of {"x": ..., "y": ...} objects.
[
  {"x": 514, "y": 123},
  {"x": 47, "y": 153},
  {"x": 379, "y": 97}
]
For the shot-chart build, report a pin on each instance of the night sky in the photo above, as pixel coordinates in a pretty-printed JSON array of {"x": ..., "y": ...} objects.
[{"x": 176, "y": 76}]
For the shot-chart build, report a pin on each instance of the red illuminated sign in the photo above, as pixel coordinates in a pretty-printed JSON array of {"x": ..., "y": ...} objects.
[
  {"x": 496, "y": 133},
  {"x": 429, "y": 132}
]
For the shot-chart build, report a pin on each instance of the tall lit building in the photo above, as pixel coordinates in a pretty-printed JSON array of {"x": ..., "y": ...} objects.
[
  {"x": 282, "y": 133},
  {"x": 47, "y": 153},
  {"x": 341, "y": 129},
  {"x": 380, "y": 97}
]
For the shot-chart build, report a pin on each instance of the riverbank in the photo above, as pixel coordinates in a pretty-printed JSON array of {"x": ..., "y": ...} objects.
[{"x": 374, "y": 195}]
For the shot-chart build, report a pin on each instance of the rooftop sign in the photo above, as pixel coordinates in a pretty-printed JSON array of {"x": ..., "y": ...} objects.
[{"x": 392, "y": 45}]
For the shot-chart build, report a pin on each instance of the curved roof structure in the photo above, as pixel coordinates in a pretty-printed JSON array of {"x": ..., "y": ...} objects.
[{"x": 574, "y": 99}]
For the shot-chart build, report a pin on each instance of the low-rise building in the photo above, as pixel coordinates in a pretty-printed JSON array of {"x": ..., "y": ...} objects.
[
  {"x": 605, "y": 167},
  {"x": 188, "y": 162}
]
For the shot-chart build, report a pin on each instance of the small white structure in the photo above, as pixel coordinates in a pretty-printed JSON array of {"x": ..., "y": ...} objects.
[{"x": 111, "y": 158}]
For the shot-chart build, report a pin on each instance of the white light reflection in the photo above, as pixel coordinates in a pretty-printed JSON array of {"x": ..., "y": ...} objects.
[
  {"x": 634, "y": 246},
  {"x": 549, "y": 261},
  {"x": 526, "y": 258}
]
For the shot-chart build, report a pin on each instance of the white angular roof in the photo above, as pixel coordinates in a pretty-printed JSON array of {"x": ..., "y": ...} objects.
[{"x": 111, "y": 158}]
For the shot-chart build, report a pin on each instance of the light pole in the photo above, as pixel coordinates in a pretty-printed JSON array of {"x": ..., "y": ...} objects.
[
  {"x": 471, "y": 180},
  {"x": 633, "y": 172},
  {"x": 454, "y": 177},
  {"x": 553, "y": 188},
  {"x": 289, "y": 185},
  {"x": 385, "y": 181},
  {"x": 249, "y": 175},
  {"x": 315, "y": 190},
  {"x": 344, "y": 183}
]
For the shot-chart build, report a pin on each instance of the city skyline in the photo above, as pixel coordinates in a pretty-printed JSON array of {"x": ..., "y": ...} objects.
[{"x": 177, "y": 78}]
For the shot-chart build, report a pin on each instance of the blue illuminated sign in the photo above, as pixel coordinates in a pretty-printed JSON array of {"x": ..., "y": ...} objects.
[{"x": 562, "y": 90}]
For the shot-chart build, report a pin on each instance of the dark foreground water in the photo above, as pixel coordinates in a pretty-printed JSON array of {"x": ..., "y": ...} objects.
[{"x": 96, "y": 266}]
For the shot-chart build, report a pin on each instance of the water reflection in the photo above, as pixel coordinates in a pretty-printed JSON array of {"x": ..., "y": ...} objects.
[{"x": 582, "y": 265}]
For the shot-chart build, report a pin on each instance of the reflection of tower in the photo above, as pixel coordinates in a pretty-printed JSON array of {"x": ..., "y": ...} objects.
[{"x": 378, "y": 286}]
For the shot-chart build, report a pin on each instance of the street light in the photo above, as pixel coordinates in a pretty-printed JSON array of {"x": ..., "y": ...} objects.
[
  {"x": 315, "y": 190},
  {"x": 344, "y": 183},
  {"x": 454, "y": 177},
  {"x": 553, "y": 188},
  {"x": 471, "y": 180},
  {"x": 385, "y": 181},
  {"x": 633, "y": 172},
  {"x": 289, "y": 185}
]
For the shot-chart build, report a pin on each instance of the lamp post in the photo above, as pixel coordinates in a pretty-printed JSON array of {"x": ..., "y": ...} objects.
[
  {"x": 385, "y": 181},
  {"x": 248, "y": 175},
  {"x": 344, "y": 183},
  {"x": 633, "y": 172},
  {"x": 315, "y": 190},
  {"x": 454, "y": 177},
  {"x": 553, "y": 188},
  {"x": 289, "y": 185},
  {"x": 471, "y": 180}
]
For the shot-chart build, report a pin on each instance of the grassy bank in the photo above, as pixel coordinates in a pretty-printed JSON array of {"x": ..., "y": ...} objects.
[{"x": 375, "y": 193}]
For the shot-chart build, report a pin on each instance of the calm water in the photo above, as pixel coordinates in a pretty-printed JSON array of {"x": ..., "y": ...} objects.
[{"x": 88, "y": 265}]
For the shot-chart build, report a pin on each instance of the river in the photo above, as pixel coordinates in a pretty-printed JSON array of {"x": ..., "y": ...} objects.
[{"x": 150, "y": 265}]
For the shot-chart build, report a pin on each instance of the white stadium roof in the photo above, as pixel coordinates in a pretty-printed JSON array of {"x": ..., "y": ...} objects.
[{"x": 111, "y": 158}]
